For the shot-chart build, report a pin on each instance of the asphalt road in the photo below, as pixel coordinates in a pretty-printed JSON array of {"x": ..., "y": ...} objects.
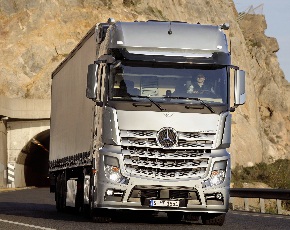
[{"x": 35, "y": 209}]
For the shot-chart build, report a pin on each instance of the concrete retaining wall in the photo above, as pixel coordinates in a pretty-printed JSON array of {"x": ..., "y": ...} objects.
[
  {"x": 24, "y": 108},
  {"x": 3, "y": 154},
  {"x": 20, "y": 120}
]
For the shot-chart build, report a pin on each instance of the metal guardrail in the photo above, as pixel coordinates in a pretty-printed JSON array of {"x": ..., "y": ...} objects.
[
  {"x": 262, "y": 194},
  {"x": 241, "y": 16},
  {"x": 251, "y": 10}
]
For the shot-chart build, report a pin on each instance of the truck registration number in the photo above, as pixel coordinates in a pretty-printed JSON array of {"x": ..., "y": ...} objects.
[{"x": 164, "y": 203}]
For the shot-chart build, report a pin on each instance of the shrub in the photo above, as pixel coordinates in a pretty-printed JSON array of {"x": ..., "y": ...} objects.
[{"x": 276, "y": 175}]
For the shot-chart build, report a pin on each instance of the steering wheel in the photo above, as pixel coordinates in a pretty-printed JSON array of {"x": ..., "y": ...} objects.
[{"x": 207, "y": 92}]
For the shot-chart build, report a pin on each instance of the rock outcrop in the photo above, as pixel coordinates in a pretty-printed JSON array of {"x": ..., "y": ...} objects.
[
  {"x": 35, "y": 36},
  {"x": 272, "y": 90}
]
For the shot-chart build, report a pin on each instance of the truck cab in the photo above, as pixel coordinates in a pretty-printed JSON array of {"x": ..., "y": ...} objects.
[{"x": 167, "y": 120}]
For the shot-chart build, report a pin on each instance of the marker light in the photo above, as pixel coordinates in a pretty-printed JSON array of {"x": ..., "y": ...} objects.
[{"x": 110, "y": 192}]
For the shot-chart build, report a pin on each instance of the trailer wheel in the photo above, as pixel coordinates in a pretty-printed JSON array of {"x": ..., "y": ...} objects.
[
  {"x": 60, "y": 194},
  {"x": 79, "y": 199},
  {"x": 175, "y": 217},
  {"x": 57, "y": 194},
  {"x": 57, "y": 202},
  {"x": 213, "y": 219}
]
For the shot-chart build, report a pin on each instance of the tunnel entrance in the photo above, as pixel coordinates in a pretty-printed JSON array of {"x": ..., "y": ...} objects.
[{"x": 34, "y": 160}]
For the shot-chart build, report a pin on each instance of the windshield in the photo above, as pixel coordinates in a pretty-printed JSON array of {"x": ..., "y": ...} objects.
[{"x": 163, "y": 82}]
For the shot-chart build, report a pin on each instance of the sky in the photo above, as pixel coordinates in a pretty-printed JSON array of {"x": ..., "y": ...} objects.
[{"x": 277, "y": 14}]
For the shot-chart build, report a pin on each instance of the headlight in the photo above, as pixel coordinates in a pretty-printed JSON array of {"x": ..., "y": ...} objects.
[
  {"x": 217, "y": 175},
  {"x": 113, "y": 172}
]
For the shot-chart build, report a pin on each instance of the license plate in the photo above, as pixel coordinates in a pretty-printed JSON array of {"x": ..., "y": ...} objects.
[{"x": 164, "y": 203}]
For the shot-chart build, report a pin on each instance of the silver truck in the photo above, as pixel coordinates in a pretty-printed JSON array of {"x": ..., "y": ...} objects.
[{"x": 141, "y": 119}]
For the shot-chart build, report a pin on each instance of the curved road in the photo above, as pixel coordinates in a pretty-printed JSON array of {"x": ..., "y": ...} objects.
[{"x": 35, "y": 209}]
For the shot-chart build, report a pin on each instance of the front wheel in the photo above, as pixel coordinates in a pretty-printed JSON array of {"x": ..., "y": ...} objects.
[
  {"x": 213, "y": 219},
  {"x": 88, "y": 208}
]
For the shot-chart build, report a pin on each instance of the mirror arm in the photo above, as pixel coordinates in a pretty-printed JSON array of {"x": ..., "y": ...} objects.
[
  {"x": 99, "y": 103},
  {"x": 106, "y": 58},
  {"x": 233, "y": 108}
]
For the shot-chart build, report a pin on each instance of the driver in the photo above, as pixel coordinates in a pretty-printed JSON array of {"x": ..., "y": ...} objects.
[{"x": 198, "y": 85}]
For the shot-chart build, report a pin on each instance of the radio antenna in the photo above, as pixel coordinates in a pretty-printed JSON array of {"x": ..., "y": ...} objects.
[{"x": 170, "y": 31}]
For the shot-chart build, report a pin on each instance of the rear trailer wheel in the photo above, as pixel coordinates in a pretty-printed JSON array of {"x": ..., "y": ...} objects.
[
  {"x": 175, "y": 217},
  {"x": 57, "y": 201},
  {"x": 213, "y": 219},
  {"x": 60, "y": 194}
]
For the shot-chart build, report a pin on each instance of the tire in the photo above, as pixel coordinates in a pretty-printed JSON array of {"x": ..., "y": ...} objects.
[
  {"x": 57, "y": 194},
  {"x": 60, "y": 194},
  {"x": 175, "y": 217},
  {"x": 57, "y": 201},
  {"x": 213, "y": 219},
  {"x": 79, "y": 199},
  {"x": 91, "y": 203}
]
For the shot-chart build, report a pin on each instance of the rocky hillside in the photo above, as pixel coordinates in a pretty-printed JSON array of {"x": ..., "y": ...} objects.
[{"x": 36, "y": 35}]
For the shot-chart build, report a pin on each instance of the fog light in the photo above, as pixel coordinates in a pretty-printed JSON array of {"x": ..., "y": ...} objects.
[
  {"x": 110, "y": 192},
  {"x": 113, "y": 195},
  {"x": 219, "y": 196}
]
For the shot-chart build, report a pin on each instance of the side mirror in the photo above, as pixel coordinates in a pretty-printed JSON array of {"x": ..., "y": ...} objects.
[
  {"x": 92, "y": 81},
  {"x": 240, "y": 87}
]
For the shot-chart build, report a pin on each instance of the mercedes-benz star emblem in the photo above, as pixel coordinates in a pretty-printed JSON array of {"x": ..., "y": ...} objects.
[
  {"x": 167, "y": 137},
  {"x": 168, "y": 114}
]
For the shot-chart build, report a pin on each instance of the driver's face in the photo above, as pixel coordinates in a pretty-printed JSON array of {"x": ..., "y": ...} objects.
[{"x": 200, "y": 78}]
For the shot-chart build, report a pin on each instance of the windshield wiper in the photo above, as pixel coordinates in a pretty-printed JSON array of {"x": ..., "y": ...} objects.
[
  {"x": 150, "y": 99},
  {"x": 196, "y": 99}
]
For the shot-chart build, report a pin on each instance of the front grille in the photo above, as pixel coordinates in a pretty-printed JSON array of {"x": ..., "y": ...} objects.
[
  {"x": 173, "y": 194},
  {"x": 142, "y": 133},
  {"x": 186, "y": 140},
  {"x": 149, "y": 193},
  {"x": 156, "y": 163},
  {"x": 145, "y": 157}
]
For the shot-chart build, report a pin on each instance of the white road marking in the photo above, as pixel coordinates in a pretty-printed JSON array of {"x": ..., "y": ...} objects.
[
  {"x": 26, "y": 225},
  {"x": 264, "y": 215}
]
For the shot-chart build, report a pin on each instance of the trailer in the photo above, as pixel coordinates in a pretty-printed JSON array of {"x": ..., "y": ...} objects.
[{"x": 141, "y": 121}]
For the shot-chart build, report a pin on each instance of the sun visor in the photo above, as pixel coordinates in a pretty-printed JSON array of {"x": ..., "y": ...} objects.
[{"x": 168, "y": 39}]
